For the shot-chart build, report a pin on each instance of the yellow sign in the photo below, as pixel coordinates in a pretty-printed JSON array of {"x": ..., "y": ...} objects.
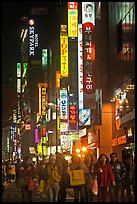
[
  {"x": 64, "y": 54},
  {"x": 72, "y": 23},
  {"x": 57, "y": 79}
]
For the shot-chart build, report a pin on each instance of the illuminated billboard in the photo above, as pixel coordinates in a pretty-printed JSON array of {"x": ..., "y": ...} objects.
[
  {"x": 18, "y": 85},
  {"x": 84, "y": 117},
  {"x": 44, "y": 57},
  {"x": 42, "y": 98},
  {"x": 73, "y": 113},
  {"x": 80, "y": 66},
  {"x": 36, "y": 136},
  {"x": 18, "y": 69},
  {"x": 57, "y": 79},
  {"x": 72, "y": 19},
  {"x": 63, "y": 104},
  {"x": 64, "y": 54},
  {"x": 88, "y": 26},
  {"x": 32, "y": 38}
]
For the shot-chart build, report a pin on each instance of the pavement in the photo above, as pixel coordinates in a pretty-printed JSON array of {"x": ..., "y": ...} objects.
[{"x": 13, "y": 194}]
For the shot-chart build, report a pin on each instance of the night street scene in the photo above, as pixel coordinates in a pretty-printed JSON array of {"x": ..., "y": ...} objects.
[{"x": 68, "y": 102}]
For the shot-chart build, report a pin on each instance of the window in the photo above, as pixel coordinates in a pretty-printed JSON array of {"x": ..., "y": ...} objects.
[{"x": 119, "y": 37}]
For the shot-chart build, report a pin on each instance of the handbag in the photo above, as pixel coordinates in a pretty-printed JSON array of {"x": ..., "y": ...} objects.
[
  {"x": 94, "y": 186},
  {"x": 77, "y": 177},
  {"x": 31, "y": 185},
  {"x": 41, "y": 186}
]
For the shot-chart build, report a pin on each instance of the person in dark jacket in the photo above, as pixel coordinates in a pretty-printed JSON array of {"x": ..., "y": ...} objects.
[
  {"x": 127, "y": 180},
  {"x": 17, "y": 166},
  {"x": 89, "y": 161},
  {"x": 132, "y": 176},
  {"x": 26, "y": 171},
  {"x": 62, "y": 166},
  {"x": 119, "y": 171}
]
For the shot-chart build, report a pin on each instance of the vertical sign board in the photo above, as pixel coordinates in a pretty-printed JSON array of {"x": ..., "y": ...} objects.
[
  {"x": 88, "y": 25},
  {"x": 72, "y": 19},
  {"x": 57, "y": 79},
  {"x": 42, "y": 98},
  {"x": 43, "y": 101},
  {"x": 118, "y": 114},
  {"x": 44, "y": 58},
  {"x": 39, "y": 87},
  {"x": 19, "y": 70},
  {"x": 80, "y": 66},
  {"x": 25, "y": 68},
  {"x": 64, "y": 54},
  {"x": 32, "y": 38},
  {"x": 36, "y": 136},
  {"x": 63, "y": 104},
  {"x": 73, "y": 114}
]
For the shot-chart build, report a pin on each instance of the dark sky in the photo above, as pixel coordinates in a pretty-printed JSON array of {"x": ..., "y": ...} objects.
[
  {"x": 12, "y": 12},
  {"x": 11, "y": 19}
]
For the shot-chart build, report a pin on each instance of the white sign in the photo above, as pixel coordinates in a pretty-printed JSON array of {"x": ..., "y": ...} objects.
[
  {"x": 80, "y": 66},
  {"x": 63, "y": 104},
  {"x": 33, "y": 40},
  {"x": 88, "y": 14},
  {"x": 63, "y": 127}
]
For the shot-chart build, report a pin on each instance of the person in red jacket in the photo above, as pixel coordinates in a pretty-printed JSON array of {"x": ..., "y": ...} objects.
[
  {"x": 26, "y": 171},
  {"x": 105, "y": 177}
]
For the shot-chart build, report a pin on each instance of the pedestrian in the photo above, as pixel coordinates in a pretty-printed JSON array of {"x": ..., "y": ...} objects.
[
  {"x": 17, "y": 165},
  {"x": 13, "y": 171},
  {"x": 105, "y": 177},
  {"x": 118, "y": 168},
  {"x": 63, "y": 171},
  {"x": 26, "y": 172},
  {"x": 132, "y": 176},
  {"x": 79, "y": 191},
  {"x": 53, "y": 179},
  {"x": 9, "y": 172},
  {"x": 41, "y": 169},
  {"x": 89, "y": 161},
  {"x": 3, "y": 173},
  {"x": 127, "y": 180},
  {"x": 38, "y": 170}
]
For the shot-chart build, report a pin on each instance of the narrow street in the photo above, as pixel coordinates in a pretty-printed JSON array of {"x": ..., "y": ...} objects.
[{"x": 13, "y": 194}]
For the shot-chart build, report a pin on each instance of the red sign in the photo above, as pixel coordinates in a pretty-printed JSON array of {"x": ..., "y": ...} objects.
[
  {"x": 27, "y": 126},
  {"x": 72, "y": 113},
  {"x": 72, "y": 5}
]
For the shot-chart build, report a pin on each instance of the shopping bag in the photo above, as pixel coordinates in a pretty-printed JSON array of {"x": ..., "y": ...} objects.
[
  {"x": 31, "y": 185},
  {"x": 94, "y": 186},
  {"x": 41, "y": 186},
  {"x": 77, "y": 177}
]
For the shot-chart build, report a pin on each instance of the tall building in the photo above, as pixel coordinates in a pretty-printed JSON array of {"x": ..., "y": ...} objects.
[
  {"x": 38, "y": 29},
  {"x": 122, "y": 75},
  {"x": 110, "y": 102},
  {"x": 115, "y": 47}
]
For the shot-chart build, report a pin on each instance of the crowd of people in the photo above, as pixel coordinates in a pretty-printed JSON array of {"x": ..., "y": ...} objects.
[{"x": 113, "y": 177}]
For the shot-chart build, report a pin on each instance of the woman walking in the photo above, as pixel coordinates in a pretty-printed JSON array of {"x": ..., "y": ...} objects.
[
  {"x": 53, "y": 179},
  {"x": 89, "y": 161},
  {"x": 105, "y": 176},
  {"x": 26, "y": 172}
]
